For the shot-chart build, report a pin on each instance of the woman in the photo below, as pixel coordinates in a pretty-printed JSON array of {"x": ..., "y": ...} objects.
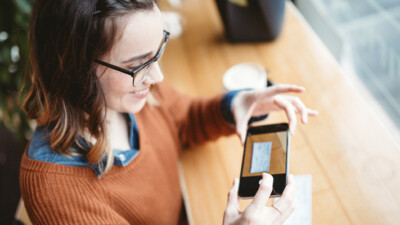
[{"x": 109, "y": 133}]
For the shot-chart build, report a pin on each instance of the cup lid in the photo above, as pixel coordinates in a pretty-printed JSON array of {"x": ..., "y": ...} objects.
[{"x": 245, "y": 75}]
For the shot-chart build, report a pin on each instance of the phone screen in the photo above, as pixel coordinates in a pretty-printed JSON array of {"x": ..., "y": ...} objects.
[{"x": 266, "y": 151}]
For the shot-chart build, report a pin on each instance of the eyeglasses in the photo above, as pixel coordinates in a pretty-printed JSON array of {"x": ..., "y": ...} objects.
[{"x": 139, "y": 73}]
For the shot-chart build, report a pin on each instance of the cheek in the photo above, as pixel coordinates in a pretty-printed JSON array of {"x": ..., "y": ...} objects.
[{"x": 115, "y": 86}]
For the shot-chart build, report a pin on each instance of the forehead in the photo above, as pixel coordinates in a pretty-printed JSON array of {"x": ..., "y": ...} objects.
[{"x": 140, "y": 33}]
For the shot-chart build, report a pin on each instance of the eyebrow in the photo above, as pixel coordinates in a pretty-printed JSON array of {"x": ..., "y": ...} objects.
[{"x": 137, "y": 57}]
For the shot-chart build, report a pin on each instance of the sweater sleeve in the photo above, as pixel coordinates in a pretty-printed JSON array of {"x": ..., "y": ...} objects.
[
  {"x": 53, "y": 198},
  {"x": 197, "y": 119}
]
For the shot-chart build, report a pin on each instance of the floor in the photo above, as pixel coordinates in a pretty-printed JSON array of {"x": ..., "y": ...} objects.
[{"x": 364, "y": 36}]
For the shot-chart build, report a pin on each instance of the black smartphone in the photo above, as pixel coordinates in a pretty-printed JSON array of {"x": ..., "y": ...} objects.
[{"x": 266, "y": 150}]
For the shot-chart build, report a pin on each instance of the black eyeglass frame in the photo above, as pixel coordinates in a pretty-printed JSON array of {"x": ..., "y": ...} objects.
[{"x": 134, "y": 72}]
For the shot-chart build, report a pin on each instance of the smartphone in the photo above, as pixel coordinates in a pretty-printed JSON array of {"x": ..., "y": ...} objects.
[{"x": 266, "y": 150}]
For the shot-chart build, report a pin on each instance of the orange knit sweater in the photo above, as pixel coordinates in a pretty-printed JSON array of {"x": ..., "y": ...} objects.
[{"x": 147, "y": 190}]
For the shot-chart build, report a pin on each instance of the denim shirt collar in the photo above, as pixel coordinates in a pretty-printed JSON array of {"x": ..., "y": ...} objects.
[
  {"x": 39, "y": 149},
  {"x": 121, "y": 158}
]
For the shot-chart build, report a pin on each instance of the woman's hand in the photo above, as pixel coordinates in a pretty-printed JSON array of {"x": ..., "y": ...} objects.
[
  {"x": 261, "y": 102},
  {"x": 257, "y": 212}
]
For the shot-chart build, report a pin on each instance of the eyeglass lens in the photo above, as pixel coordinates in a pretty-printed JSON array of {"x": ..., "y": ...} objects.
[{"x": 141, "y": 75}]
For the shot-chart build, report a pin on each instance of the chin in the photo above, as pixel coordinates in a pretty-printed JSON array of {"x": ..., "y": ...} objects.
[{"x": 136, "y": 107}]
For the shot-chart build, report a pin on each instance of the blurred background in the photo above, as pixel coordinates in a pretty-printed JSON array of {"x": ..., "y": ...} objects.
[
  {"x": 363, "y": 36},
  {"x": 14, "y": 127}
]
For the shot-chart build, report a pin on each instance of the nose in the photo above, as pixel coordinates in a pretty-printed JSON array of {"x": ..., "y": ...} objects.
[{"x": 154, "y": 74}]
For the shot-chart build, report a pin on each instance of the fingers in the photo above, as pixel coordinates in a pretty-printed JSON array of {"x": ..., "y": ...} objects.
[
  {"x": 290, "y": 110},
  {"x": 283, "y": 216},
  {"x": 262, "y": 102},
  {"x": 286, "y": 88},
  {"x": 312, "y": 112},
  {"x": 301, "y": 108},
  {"x": 285, "y": 205},
  {"x": 258, "y": 213},
  {"x": 242, "y": 130},
  {"x": 283, "y": 88},
  {"x": 233, "y": 199},
  {"x": 292, "y": 105},
  {"x": 290, "y": 189},
  {"x": 264, "y": 191},
  {"x": 242, "y": 122}
]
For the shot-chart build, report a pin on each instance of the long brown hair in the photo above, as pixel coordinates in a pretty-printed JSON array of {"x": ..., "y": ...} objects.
[{"x": 65, "y": 94}]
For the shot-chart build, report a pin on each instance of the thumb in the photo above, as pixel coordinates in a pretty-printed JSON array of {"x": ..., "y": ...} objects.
[
  {"x": 243, "y": 123},
  {"x": 233, "y": 198},
  {"x": 241, "y": 130}
]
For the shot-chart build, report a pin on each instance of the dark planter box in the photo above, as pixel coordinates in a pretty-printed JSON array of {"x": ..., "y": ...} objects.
[{"x": 260, "y": 20}]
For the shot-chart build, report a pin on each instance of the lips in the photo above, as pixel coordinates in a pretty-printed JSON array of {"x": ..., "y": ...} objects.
[{"x": 141, "y": 94}]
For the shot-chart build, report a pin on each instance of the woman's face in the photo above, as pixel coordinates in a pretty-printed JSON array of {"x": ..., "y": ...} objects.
[{"x": 139, "y": 42}]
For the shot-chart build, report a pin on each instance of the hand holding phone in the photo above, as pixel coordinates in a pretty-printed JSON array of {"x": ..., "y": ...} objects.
[
  {"x": 257, "y": 212},
  {"x": 266, "y": 150}
]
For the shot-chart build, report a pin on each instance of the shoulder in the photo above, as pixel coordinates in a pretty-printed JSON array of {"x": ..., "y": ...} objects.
[
  {"x": 166, "y": 92},
  {"x": 169, "y": 97},
  {"x": 39, "y": 149}
]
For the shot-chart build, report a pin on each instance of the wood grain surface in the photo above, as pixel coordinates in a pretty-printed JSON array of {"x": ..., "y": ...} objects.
[{"x": 351, "y": 149}]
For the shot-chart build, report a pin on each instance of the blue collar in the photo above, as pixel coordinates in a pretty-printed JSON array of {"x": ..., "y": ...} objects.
[{"x": 39, "y": 149}]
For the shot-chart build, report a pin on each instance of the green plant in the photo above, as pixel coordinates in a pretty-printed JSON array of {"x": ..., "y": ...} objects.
[{"x": 14, "y": 23}]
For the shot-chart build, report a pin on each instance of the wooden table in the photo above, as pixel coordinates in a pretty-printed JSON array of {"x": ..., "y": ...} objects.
[{"x": 351, "y": 149}]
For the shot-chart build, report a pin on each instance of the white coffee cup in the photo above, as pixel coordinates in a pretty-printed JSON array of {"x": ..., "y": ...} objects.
[{"x": 245, "y": 75}]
